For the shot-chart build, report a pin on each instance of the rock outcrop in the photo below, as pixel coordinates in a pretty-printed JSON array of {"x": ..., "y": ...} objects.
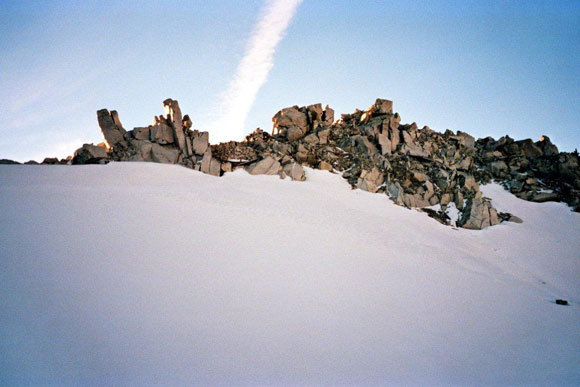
[
  {"x": 170, "y": 139},
  {"x": 8, "y": 162},
  {"x": 90, "y": 154},
  {"x": 415, "y": 167},
  {"x": 533, "y": 171}
]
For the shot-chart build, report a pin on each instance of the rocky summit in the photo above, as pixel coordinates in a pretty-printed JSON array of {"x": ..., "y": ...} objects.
[{"x": 439, "y": 173}]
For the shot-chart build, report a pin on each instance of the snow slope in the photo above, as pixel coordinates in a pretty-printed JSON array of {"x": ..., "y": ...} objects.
[{"x": 133, "y": 273}]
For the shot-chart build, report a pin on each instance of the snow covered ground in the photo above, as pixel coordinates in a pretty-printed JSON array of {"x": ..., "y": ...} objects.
[{"x": 134, "y": 274}]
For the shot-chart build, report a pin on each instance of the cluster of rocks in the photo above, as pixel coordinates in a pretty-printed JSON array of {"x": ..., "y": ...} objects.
[
  {"x": 533, "y": 171},
  {"x": 46, "y": 161},
  {"x": 439, "y": 173},
  {"x": 417, "y": 168},
  {"x": 371, "y": 149},
  {"x": 170, "y": 139}
]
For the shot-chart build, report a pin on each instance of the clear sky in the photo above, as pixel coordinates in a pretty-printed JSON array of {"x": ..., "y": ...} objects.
[{"x": 486, "y": 67}]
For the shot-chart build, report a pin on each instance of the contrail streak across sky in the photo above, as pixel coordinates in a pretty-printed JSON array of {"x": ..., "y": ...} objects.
[{"x": 253, "y": 69}]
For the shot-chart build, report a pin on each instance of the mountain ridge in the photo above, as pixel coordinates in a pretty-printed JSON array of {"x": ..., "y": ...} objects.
[{"x": 373, "y": 151}]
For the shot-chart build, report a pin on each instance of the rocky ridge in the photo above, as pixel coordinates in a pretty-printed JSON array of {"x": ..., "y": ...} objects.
[{"x": 439, "y": 173}]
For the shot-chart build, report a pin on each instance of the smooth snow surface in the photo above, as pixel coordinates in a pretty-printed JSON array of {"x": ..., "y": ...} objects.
[{"x": 139, "y": 274}]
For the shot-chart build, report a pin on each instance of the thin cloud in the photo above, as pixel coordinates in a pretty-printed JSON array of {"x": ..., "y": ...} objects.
[{"x": 253, "y": 69}]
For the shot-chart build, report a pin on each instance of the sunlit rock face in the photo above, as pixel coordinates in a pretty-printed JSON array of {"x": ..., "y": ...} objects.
[
  {"x": 439, "y": 173},
  {"x": 169, "y": 140},
  {"x": 111, "y": 127}
]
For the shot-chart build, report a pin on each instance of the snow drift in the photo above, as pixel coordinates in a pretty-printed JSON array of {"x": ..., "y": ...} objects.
[{"x": 142, "y": 273}]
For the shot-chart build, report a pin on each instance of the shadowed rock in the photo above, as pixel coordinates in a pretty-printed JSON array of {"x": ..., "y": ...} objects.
[
  {"x": 8, "y": 162},
  {"x": 90, "y": 154}
]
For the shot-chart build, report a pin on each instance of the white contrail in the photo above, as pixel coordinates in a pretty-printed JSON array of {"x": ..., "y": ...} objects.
[{"x": 252, "y": 70}]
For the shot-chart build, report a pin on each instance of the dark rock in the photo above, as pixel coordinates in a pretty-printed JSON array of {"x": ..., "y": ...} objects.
[
  {"x": 546, "y": 197},
  {"x": 507, "y": 217},
  {"x": 8, "y": 162},
  {"x": 529, "y": 149},
  {"x": 499, "y": 168},
  {"x": 90, "y": 154},
  {"x": 548, "y": 149},
  {"x": 50, "y": 161}
]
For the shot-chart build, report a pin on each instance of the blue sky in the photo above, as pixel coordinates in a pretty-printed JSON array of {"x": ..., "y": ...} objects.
[{"x": 486, "y": 67}]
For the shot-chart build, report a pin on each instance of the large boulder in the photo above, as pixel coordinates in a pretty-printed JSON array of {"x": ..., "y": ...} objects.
[
  {"x": 468, "y": 182},
  {"x": 90, "y": 154},
  {"x": 546, "y": 146},
  {"x": 200, "y": 142},
  {"x": 328, "y": 115},
  {"x": 50, "y": 161},
  {"x": 464, "y": 139},
  {"x": 315, "y": 113},
  {"x": 294, "y": 133},
  {"x": 143, "y": 150},
  {"x": 164, "y": 154},
  {"x": 266, "y": 166},
  {"x": 370, "y": 180},
  {"x": 312, "y": 139},
  {"x": 215, "y": 167},
  {"x": 395, "y": 192},
  {"x": 291, "y": 116},
  {"x": 323, "y": 135},
  {"x": 383, "y": 106},
  {"x": 209, "y": 164},
  {"x": 499, "y": 168},
  {"x": 295, "y": 171},
  {"x": 543, "y": 197},
  {"x": 324, "y": 166},
  {"x": 529, "y": 149},
  {"x": 111, "y": 127},
  {"x": 478, "y": 214},
  {"x": 363, "y": 145},
  {"x": 162, "y": 133},
  {"x": 142, "y": 133},
  {"x": 291, "y": 121}
]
